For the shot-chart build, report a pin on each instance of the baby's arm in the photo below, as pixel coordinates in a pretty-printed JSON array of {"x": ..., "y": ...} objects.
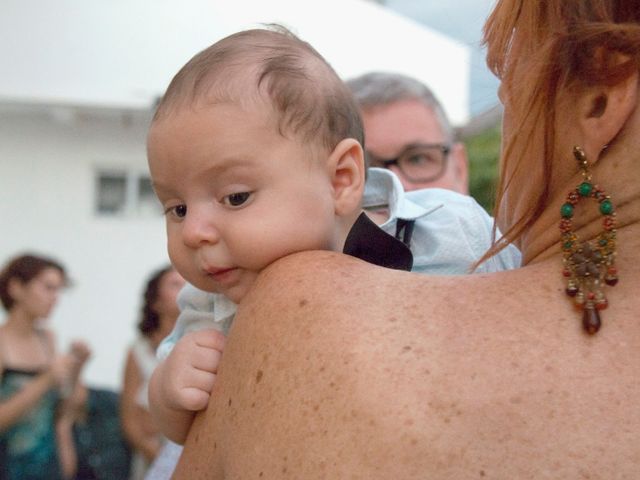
[{"x": 182, "y": 383}]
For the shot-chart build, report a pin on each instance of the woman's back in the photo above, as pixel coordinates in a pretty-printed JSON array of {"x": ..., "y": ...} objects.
[{"x": 359, "y": 372}]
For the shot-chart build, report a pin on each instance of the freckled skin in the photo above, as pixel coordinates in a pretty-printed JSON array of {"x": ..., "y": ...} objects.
[{"x": 349, "y": 402}]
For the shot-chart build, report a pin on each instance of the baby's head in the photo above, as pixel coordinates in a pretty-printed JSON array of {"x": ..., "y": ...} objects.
[{"x": 255, "y": 153}]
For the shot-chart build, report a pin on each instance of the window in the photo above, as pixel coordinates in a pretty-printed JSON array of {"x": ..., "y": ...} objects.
[
  {"x": 125, "y": 194},
  {"x": 147, "y": 203}
]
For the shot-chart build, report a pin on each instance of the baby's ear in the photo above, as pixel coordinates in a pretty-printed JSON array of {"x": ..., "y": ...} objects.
[{"x": 346, "y": 164}]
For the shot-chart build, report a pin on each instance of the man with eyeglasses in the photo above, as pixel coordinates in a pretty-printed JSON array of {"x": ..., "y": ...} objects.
[
  {"x": 417, "y": 178},
  {"x": 408, "y": 132}
]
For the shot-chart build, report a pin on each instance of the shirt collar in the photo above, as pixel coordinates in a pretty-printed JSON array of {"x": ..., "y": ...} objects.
[{"x": 383, "y": 188}]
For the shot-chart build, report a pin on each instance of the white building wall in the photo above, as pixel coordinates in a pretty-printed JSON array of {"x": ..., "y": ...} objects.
[
  {"x": 48, "y": 162},
  {"x": 123, "y": 53}
]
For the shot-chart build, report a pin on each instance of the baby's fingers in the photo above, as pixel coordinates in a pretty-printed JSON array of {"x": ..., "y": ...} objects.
[
  {"x": 194, "y": 393},
  {"x": 206, "y": 359},
  {"x": 194, "y": 399},
  {"x": 209, "y": 338}
]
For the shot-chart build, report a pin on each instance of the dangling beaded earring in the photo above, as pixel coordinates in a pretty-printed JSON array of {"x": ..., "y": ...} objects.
[{"x": 588, "y": 265}]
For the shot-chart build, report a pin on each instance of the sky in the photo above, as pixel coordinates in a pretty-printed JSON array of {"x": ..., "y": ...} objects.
[{"x": 463, "y": 21}]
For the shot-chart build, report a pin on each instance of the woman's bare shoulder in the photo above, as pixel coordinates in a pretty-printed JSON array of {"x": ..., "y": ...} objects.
[
  {"x": 300, "y": 269},
  {"x": 313, "y": 358},
  {"x": 321, "y": 275},
  {"x": 324, "y": 294}
]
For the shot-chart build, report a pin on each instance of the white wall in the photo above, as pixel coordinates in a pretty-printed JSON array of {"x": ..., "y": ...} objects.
[
  {"x": 123, "y": 53},
  {"x": 47, "y": 167}
]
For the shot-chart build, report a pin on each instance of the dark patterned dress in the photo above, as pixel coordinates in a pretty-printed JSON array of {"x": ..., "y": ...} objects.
[{"x": 28, "y": 447}]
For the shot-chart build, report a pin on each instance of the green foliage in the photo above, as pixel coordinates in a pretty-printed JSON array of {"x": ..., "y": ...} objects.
[{"x": 483, "y": 151}]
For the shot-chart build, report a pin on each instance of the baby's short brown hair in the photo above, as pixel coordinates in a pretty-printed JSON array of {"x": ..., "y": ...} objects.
[{"x": 273, "y": 64}]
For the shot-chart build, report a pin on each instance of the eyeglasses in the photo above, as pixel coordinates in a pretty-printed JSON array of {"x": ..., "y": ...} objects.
[{"x": 419, "y": 163}]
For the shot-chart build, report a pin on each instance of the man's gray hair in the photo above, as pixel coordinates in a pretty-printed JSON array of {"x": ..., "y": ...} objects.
[{"x": 382, "y": 88}]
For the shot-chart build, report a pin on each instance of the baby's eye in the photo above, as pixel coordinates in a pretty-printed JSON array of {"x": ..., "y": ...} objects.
[
  {"x": 236, "y": 199},
  {"x": 179, "y": 211}
]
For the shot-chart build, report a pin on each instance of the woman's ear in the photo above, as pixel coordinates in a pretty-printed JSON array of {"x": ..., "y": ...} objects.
[
  {"x": 15, "y": 288},
  {"x": 604, "y": 110},
  {"x": 347, "y": 171}
]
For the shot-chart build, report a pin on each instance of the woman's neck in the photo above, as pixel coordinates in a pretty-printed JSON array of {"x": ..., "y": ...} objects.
[
  {"x": 19, "y": 322},
  {"x": 543, "y": 240},
  {"x": 615, "y": 169}
]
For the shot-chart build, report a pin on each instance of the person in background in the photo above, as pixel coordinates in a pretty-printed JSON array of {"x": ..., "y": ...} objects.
[
  {"x": 159, "y": 313},
  {"x": 407, "y": 131},
  {"x": 34, "y": 377}
]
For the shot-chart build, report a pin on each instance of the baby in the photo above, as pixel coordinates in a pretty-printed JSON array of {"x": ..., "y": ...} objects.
[{"x": 255, "y": 152}]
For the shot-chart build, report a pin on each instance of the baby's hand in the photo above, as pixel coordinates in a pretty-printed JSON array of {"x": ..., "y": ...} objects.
[{"x": 190, "y": 370}]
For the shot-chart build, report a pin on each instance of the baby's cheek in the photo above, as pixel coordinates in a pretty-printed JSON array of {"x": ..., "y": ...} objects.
[{"x": 181, "y": 263}]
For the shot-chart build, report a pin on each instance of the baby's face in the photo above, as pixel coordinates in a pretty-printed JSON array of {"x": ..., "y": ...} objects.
[{"x": 237, "y": 195}]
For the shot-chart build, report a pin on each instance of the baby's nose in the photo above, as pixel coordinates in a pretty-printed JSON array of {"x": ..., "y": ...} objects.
[{"x": 199, "y": 228}]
